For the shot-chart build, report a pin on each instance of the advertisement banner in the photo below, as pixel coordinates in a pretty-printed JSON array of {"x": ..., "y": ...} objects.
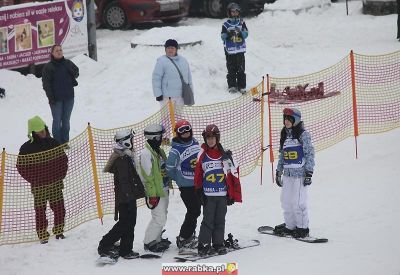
[{"x": 28, "y": 31}]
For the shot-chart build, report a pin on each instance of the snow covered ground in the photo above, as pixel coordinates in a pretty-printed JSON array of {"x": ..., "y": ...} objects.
[{"x": 354, "y": 203}]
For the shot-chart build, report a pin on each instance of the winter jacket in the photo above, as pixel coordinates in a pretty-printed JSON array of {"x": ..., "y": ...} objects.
[
  {"x": 304, "y": 139},
  {"x": 152, "y": 174},
  {"x": 59, "y": 79},
  {"x": 42, "y": 162},
  {"x": 182, "y": 161},
  {"x": 231, "y": 172},
  {"x": 166, "y": 79},
  {"x": 234, "y": 44},
  {"x": 127, "y": 183}
]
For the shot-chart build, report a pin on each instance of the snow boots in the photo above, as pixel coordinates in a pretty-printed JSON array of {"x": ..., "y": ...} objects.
[
  {"x": 187, "y": 245},
  {"x": 156, "y": 247},
  {"x": 301, "y": 233},
  {"x": 282, "y": 230},
  {"x": 131, "y": 255}
]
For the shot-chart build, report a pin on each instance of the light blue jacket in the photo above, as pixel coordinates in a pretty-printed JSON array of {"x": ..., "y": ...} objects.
[
  {"x": 166, "y": 79},
  {"x": 182, "y": 161}
]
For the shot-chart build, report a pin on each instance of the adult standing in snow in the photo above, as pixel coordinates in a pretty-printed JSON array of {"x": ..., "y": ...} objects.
[
  {"x": 157, "y": 184},
  {"x": 234, "y": 33},
  {"x": 180, "y": 167},
  {"x": 296, "y": 164},
  {"x": 166, "y": 79},
  {"x": 59, "y": 79},
  {"x": 215, "y": 178},
  {"x": 128, "y": 188},
  {"x": 44, "y": 164}
]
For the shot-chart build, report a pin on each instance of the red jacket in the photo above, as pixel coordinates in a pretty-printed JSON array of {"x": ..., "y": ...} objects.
[{"x": 232, "y": 179}]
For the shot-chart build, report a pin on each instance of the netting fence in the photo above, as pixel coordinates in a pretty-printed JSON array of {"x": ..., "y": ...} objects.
[
  {"x": 359, "y": 95},
  {"x": 87, "y": 192}
]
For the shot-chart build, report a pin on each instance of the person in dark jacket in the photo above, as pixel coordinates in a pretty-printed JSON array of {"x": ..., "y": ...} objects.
[
  {"x": 59, "y": 79},
  {"x": 44, "y": 164},
  {"x": 128, "y": 187}
]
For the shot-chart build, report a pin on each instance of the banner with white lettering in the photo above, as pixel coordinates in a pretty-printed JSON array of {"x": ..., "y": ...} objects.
[{"x": 28, "y": 31}]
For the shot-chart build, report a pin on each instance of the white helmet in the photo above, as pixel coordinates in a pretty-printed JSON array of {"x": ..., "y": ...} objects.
[
  {"x": 154, "y": 132},
  {"x": 124, "y": 138}
]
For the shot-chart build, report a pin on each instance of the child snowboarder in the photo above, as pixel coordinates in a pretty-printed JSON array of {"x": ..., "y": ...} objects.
[
  {"x": 217, "y": 185},
  {"x": 296, "y": 163},
  {"x": 157, "y": 183},
  {"x": 234, "y": 33},
  {"x": 180, "y": 167},
  {"x": 128, "y": 188}
]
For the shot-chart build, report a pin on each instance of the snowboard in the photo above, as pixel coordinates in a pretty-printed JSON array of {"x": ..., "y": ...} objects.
[
  {"x": 269, "y": 230},
  {"x": 237, "y": 246},
  {"x": 105, "y": 260}
]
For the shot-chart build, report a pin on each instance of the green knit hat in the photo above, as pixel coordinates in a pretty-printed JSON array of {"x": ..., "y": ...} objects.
[{"x": 35, "y": 124}]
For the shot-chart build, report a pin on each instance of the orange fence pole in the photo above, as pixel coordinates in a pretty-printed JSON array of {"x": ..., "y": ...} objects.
[
  {"x": 2, "y": 176},
  {"x": 95, "y": 176},
  {"x": 354, "y": 95},
  {"x": 171, "y": 116},
  {"x": 262, "y": 129},
  {"x": 271, "y": 150}
]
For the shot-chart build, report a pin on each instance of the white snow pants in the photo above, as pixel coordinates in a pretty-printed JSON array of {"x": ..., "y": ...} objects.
[
  {"x": 158, "y": 220},
  {"x": 294, "y": 202}
]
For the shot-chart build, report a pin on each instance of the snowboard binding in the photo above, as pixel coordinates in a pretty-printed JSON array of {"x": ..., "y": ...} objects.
[{"x": 231, "y": 243}]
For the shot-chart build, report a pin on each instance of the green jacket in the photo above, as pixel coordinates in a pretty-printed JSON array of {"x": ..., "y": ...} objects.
[{"x": 153, "y": 182}]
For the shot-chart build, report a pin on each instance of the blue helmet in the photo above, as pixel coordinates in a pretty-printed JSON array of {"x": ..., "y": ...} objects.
[{"x": 293, "y": 115}]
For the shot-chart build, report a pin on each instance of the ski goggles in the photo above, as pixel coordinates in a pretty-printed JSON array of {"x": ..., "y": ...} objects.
[{"x": 184, "y": 129}]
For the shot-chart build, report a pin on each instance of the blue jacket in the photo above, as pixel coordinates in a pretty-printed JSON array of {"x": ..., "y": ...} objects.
[
  {"x": 182, "y": 161},
  {"x": 166, "y": 79}
]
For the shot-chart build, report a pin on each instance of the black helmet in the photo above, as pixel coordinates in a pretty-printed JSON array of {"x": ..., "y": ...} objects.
[{"x": 232, "y": 6}]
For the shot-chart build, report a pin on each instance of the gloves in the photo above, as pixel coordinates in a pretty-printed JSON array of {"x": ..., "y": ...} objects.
[
  {"x": 278, "y": 178},
  {"x": 154, "y": 201},
  {"x": 201, "y": 197},
  {"x": 307, "y": 178},
  {"x": 232, "y": 32},
  {"x": 229, "y": 201},
  {"x": 160, "y": 98},
  {"x": 226, "y": 155}
]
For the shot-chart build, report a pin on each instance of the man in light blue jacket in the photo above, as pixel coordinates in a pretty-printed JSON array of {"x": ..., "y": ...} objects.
[{"x": 167, "y": 83}]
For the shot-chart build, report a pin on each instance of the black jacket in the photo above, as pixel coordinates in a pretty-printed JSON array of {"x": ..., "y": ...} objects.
[
  {"x": 59, "y": 79},
  {"x": 127, "y": 184},
  {"x": 44, "y": 168}
]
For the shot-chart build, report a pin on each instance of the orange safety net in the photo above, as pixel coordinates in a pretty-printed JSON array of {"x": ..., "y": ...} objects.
[
  {"x": 359, "y": 95},
  {"x": 66, "y": 193}
]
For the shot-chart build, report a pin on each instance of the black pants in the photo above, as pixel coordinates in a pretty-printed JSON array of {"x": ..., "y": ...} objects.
[
  {"x": 193, "y": 210},
  {"x": 235, "y": 63},
  {"x": 212, "y": 227},
  {"x": 123, "y": 230}
]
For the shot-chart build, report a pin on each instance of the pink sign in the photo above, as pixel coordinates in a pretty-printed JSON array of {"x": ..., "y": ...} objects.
[{"x": 28, "y": 31}]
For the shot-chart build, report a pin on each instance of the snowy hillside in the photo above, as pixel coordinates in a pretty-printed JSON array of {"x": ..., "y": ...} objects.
[{"x": 354, "y": 203}]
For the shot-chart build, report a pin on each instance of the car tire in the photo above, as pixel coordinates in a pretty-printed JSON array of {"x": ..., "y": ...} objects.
[
  {"x": 114, "y": 16},
  {"x": 214, "y": 8},
  {"x": 172, "y": 20}
]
